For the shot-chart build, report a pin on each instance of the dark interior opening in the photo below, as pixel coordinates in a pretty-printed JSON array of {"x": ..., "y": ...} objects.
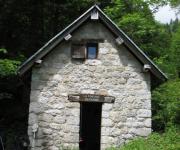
[{"x": 90, "y": 126}]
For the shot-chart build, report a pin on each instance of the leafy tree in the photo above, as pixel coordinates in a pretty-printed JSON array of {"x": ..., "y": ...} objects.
[
  {"x": 119, "y": 8},
  {"x": 173, "y": 3},
  {"x": 170, "y": 59},
  {"x": 172, "y": 26},
  {"x": 25, "y": 25},
  {"x": 7, "y": 67},
  {"x": 155, "y": 39},
  {"x": 165, "y": 105},
  {"x": 175, "y": 50},
  {"x": 136, "y": 19},
  {"x": 3, "y": 50}
]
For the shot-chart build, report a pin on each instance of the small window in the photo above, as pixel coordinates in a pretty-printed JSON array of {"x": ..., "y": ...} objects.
[
  {"x": 83, "y": 50},
  {"x": 92, "y": 49},
  {"x": 78, "y": 51}
]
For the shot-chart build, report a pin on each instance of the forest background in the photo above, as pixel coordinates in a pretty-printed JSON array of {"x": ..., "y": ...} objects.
[{"x": 26, "y": 25}]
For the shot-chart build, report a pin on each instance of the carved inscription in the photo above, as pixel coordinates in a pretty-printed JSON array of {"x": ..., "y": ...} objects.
[{"x": 90, "y": 98}]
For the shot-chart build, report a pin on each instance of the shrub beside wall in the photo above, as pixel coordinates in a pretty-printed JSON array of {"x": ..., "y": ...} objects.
[{"x": 167, "y": 141}]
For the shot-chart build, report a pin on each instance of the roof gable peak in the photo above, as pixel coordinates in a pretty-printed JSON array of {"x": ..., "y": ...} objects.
[{"x": 112, "y": 27}]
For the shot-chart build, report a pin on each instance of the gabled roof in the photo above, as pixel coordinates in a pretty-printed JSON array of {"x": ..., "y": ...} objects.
[{"x": 134, "y": 49}]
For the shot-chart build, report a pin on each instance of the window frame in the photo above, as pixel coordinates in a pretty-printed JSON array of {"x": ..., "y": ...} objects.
[
  {"x": 86, "y": 43},
  {"x": 92, "y": 44}
]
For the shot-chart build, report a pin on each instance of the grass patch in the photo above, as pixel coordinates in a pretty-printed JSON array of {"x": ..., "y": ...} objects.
[{"x": 170, "y": 140}]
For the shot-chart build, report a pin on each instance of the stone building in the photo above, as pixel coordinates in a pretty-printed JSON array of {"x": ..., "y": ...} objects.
[{"x": 90, "y": 87}]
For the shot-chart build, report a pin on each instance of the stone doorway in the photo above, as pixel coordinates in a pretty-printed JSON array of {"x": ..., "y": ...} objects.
[{"x": 90, "y": 126}]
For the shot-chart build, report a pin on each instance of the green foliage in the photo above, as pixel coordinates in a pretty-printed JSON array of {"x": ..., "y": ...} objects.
[
  {"x": 26, "y": 25},
  {"x": 3, "y": 50},
  {"x": 166, "y": 141},
  {"x": 8, "y": 67},
  {"x": 119, "y": 8},
  {"x": 139, "y": 29},
  {"x": 166, "y": 64},
  {"x": 166, "y": 104},
  {"x": 137, "y": 21},
  {"x": 175, "y": 49},
  {"x": 173, "y": 3},
  {"x": 174, "y": 25},
  {"x": 169, "y": 61}
]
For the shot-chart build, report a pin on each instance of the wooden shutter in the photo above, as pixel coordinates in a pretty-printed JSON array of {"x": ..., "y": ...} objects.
[{"x": 78, "y": 51}]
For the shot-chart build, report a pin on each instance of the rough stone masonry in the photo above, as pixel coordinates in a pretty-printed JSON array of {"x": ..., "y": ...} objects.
[{"x": 115, "y": 72}]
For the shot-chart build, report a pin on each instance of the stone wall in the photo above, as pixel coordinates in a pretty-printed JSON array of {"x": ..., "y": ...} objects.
[{"x": 115, "y": 72}]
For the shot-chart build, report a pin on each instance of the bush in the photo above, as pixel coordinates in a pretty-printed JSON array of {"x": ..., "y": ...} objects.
[
  {"x": 165, "y": 105},
  {"x": 8, "y": 67},
  {"x": 166, "y": 141}
]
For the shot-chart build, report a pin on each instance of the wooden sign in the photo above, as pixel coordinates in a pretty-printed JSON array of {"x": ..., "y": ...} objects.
[{"x": 90, "y": 98}]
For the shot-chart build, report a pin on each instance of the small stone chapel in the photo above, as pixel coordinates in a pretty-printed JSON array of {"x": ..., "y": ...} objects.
[{"x": 90, "y": 87}]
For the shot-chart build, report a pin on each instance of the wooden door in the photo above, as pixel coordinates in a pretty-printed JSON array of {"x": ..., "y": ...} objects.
[{"x": 90, "y": 126}]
